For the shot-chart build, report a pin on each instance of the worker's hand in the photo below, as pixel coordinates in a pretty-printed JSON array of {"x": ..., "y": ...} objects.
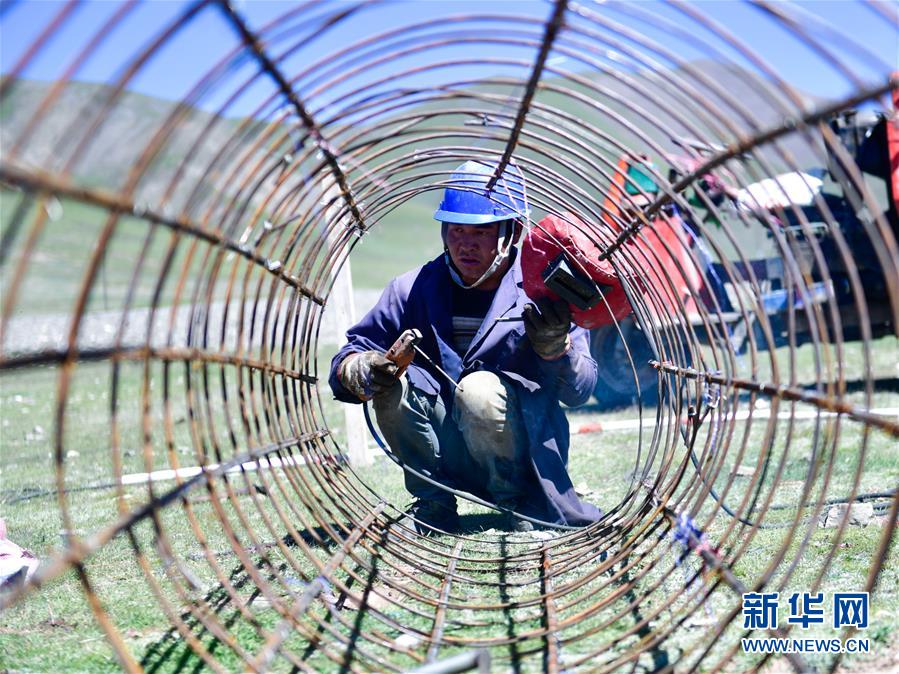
[
  {"x": 548, "y": 330},
  {"x": 367, "y": 374}
]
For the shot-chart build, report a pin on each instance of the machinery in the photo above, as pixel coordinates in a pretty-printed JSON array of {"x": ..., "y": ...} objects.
[{"x": 730, "y": 297}]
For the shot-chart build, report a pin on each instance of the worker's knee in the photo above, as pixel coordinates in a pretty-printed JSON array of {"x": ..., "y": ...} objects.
[
  {"x": 404, "y": 405},
  {"x": 482, "y": 395},
  {"x": 409, "y": 420},
  {"x": 486, "y": 413}
]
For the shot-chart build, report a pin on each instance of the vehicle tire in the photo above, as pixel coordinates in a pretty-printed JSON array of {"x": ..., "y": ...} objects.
[{"x": 616, "y": 383}]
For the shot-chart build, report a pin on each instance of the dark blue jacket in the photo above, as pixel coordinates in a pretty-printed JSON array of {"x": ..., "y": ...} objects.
[{"x": 422, "y": 299}]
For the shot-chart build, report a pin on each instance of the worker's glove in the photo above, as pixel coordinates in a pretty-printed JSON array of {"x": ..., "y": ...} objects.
[
  {"x": 548, "y": 330},
  {"x": 367, "y": 374}
]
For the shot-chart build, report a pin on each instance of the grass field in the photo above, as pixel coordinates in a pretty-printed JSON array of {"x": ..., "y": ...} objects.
[
  {"x": 149, "y": 427},
  {"x": 59, "y": 261},
  {"x": 57, "y": 626}
]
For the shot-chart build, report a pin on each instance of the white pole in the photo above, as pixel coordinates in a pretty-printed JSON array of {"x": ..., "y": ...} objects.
[{"x": 342, "y": 304}]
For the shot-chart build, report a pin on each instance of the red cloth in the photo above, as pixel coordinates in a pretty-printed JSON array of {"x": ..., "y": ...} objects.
[
  {"x": 14, "y": 559},
  {"x": 542, "y": 245},
  {"x": 893, "y": 145}
]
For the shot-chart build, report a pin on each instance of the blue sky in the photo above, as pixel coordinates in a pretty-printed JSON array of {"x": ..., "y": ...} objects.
[{"x": 200, "y": 45}]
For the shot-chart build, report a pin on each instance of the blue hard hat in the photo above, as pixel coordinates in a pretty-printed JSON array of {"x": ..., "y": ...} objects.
[{"x": 468, "y": 203}]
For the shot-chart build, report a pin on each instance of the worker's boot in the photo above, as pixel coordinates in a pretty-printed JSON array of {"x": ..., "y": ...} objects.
[
  {"x": 426, "y": 515},
  {"x": 511, "y": 522},
  {"x": 516, "y": 525}
]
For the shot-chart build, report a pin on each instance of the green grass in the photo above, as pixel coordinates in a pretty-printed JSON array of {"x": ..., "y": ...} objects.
[
  {"x": 57, "y": 625},
  {"x": 58, "y": 267},
  {"x": 55, "y": 630},
  {"x": 407, "y": 238}
]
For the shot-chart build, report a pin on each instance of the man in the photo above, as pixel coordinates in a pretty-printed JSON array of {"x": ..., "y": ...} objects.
[{"x": 490, "y": 423}]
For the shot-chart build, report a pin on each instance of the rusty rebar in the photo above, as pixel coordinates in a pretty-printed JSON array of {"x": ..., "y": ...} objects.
[{"x": 225, "y": 221}]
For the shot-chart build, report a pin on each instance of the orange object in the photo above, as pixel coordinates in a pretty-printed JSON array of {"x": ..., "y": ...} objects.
[
  {"x": 662, "y": 250},
  {"x": 594, "y": 427}
]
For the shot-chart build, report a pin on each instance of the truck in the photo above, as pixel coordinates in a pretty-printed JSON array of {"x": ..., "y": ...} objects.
[{"x": 708, "y": 286}]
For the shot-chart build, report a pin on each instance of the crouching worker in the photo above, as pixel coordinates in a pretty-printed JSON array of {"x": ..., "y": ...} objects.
[{"x": 490, "y": 423}]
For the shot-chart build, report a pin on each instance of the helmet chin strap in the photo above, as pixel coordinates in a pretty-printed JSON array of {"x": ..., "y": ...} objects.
[{"x": 504, "y": 239}]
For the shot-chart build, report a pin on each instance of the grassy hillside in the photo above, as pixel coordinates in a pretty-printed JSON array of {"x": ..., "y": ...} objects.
[
  {"x": 405, "y": 239},
  {"x": 602, "y": 108}
]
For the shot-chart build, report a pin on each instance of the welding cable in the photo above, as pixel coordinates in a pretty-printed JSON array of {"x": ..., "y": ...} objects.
[
  {"x": 742, "y": 520},
  {"x": 719, "y": 501},
  {"x": 691, "y": 441}
]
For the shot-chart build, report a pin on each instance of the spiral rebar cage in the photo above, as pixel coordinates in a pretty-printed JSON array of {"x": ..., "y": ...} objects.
[{"x": 169, "y": 252}]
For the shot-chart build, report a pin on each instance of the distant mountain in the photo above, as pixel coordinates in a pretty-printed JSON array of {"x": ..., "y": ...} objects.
[
  {"x": 112, "y": 148},
  {"x": 705, "y": 100},
  {"x": 130, "y": 125},
  {"x": 405, "y": 235},
  {"x": 756, "y": 101}
]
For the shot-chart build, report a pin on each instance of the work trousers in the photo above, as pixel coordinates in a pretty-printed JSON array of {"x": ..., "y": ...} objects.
[{"x": 480, "y": 447}]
